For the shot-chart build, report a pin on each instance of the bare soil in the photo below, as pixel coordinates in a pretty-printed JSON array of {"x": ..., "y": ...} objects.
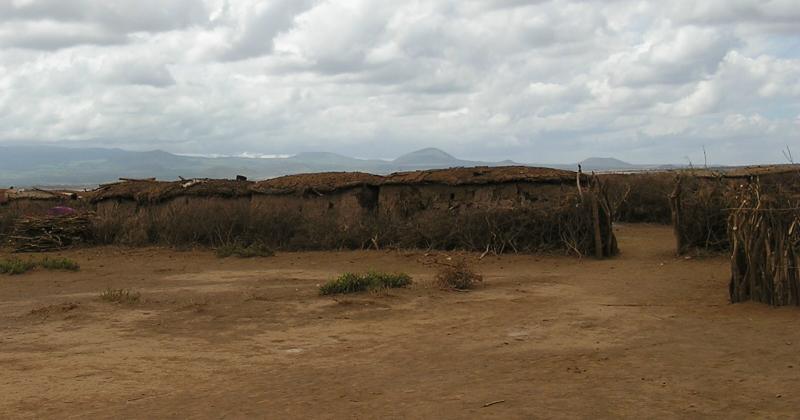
[{"x": 644, "y": 335}]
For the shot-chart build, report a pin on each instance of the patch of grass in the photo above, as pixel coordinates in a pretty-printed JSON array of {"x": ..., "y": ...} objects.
[
  {"x": 242, "y": 251},
  {"x": 59, "y": 264},
  {"x": 125, "y": 296},
  {"x": 354, "y": 283},
  {"x": 13, "y": 266},
  {"x": 459, "y": 276}
]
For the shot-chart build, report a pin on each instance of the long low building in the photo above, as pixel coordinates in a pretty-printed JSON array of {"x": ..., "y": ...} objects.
[{"x": 502, "y": 209}]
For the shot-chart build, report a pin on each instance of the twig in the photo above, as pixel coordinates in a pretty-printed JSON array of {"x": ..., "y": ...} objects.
[
  {"x": 489, "y": 404},
  {"x": 484, "y": 252}
]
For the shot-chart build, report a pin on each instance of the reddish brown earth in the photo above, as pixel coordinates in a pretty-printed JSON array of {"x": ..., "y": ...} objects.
[{"x": 645, "y": 335}]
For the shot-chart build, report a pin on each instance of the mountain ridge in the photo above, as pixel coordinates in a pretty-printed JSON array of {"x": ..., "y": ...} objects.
[{"x": 55, "y": 165}]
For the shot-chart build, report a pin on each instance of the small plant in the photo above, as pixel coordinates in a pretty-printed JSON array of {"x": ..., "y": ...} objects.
[
  {"x": 241, "y": 251},
  {"x": 59, "y": 264},
  {"x": 354, "y": 283},
  {"x": 13, "y": 266},
  {"x": 459, "y": 276},
  {"x": 124, "y": 296}
]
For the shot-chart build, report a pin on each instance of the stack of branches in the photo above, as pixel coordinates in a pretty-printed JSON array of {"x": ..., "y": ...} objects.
[
  {"x": 49, "y": 233},
  {"x": 765, "y": 236},
  {"x": 602, "y": 210},
  {"x": 699, "y": 215}
]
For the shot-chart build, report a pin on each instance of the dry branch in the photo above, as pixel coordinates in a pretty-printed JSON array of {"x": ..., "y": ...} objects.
[
  {"x": 765, "y": 241},
  {"x": 49, "y": 233}
]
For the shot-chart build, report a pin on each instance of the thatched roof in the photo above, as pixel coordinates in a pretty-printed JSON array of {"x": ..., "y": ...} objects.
[
  {"x": 324, "y": 182},
  {"x": 36, "y": 194},
  {"x": 155, "y": 191},
  {"x": 482, "y": 175},
  {"x": 747, "y": 171},
  {"x": 149, "y": 191}
]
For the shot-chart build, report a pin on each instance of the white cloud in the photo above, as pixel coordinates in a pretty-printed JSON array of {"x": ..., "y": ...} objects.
[{"x": 554, "y": 80}]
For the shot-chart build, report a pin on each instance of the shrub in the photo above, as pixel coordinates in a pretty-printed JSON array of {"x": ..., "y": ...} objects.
[
  {"x": 642, "y": 197},
  {"x": 354, "y": 283},
  {"x": 125, "y": 296},
  {"x": 458, "y": 276},
  {"x": 59, "y": 264},
  {"x": 242, "y": 251},
  {"x": 14, "y": 266}
]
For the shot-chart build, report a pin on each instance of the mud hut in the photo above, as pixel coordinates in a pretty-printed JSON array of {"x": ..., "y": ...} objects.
[
  {"x": 330, "y": 210},
  {"x": 306, "y": 211},
  {"x": 199, "y": 211},
  {"x": 488, "y": 209},
  {"x": 344, "y": 197},
  {"x": 499, "y": 209}
]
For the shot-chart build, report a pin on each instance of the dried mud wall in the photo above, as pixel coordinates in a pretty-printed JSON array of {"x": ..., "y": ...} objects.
[{"x": 410, "y": 200}]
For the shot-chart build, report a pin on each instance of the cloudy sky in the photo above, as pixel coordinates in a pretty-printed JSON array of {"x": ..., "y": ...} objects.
[{"x": 533, "y": 81}]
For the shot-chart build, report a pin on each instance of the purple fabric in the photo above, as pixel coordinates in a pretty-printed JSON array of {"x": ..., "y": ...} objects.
[{"x": 60, "y": 211}]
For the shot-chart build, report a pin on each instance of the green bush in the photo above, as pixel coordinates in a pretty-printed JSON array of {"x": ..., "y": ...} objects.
[
  {"x": 354, "y": 283},
  {"x": 14, "y": 266},
  {"x": 59, "y": 264}
]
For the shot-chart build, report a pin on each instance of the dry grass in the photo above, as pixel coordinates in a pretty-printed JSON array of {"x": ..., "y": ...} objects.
[
  {"x": 244, "y": 251},
  {"x": 15, "y": 266},
  {"x": 459, "y": 276},
  {"x": 65, "y": 264},
  {"x": 46, "y": 311},
  {"x": 120, "y": 296}
]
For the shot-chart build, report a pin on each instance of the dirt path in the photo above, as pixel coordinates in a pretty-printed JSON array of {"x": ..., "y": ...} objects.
[{"x": 643, "y": 335}]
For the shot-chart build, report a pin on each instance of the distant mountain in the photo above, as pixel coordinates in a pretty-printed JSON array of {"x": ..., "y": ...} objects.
[
  {"x": 605, "y": 164},
  {"x": 429, "y": 156},
  {"x": 47, "y": 165}
]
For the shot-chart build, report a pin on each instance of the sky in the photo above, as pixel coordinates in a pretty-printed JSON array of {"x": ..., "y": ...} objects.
[{"x": 533, "y": 81}]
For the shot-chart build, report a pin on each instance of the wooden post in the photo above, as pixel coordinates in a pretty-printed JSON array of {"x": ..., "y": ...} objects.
[
  {"x": 598, "y": 237},
  {"x": 675, "y": 204}
]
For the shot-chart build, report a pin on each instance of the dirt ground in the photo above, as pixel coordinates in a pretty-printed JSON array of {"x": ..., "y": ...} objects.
[{"x": 643, "y": 335}]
